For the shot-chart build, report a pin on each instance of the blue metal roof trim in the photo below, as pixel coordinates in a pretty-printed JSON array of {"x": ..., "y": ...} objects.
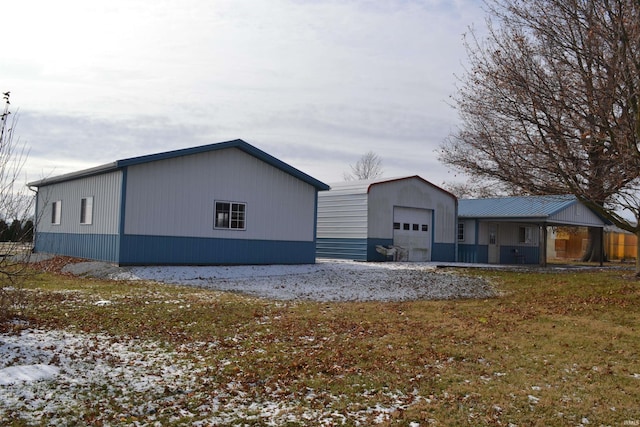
[
  {"x": 236, "y": 143},
  {"x": 515, "y": 207}
]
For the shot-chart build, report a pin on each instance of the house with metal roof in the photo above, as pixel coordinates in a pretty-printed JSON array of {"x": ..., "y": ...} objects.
[
  {"x": 513, "y": 230},
  {"x": 405, "y": 219},
  {"x": 224, "y": 203}
]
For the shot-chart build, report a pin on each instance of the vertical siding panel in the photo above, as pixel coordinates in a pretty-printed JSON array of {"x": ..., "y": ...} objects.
[
  {"x": 105, "y": 190},
  {"x": 175, "y": 197}
]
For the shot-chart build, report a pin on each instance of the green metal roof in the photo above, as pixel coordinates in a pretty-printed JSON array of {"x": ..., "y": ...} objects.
[{"x": 531, "y": 207}]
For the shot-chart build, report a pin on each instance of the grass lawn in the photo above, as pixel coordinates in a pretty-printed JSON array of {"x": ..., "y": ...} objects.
[{"x": 553, "y": 349}]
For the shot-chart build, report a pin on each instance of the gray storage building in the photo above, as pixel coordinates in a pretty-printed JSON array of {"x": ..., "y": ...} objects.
[
  {"x": 357, "y": 218},
  {"x": 225, "y": 203}
]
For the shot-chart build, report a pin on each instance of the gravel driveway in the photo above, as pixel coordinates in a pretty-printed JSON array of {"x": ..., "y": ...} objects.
[{"x": 327, "y": 280}]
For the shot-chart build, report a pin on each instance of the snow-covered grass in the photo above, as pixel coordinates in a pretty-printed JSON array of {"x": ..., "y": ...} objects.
[
  {"x": 553, "y": 349},
  {"x": 327, "y": 280},
  {"x": 73, "y": 378}
]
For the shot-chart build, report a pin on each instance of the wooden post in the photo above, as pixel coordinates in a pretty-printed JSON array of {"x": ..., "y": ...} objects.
[
  {"x": 601, "y": 246},
  {"x": 543, "y": 245}
]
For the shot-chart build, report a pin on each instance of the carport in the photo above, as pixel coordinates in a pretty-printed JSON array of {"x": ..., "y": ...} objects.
[{"x": 514, "y": 230}]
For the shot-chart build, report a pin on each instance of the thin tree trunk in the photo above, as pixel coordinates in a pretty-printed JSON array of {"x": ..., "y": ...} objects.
[{"x": 593, "y": 252}]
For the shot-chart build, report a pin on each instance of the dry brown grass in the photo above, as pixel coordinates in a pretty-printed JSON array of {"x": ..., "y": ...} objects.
[{"x": 554, "y": 349}]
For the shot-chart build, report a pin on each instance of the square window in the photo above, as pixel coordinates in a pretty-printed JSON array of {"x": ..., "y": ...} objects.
[
  {"x": 230, "y": 215},
  {"x": 416, "y": 227},
  {"x": 86, "y": 210},
  {"x": 396, "y": 226},
  {"x": 406, "y": 226},
  {"x": 425, "y": 227}
]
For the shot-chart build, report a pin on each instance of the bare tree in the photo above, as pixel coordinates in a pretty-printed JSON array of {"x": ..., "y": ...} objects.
[
  {"x": 550, "y": 103},
  {"x": 15, "y": 208},
  {"x": 475, "y": 190},
  {"x": 369, "y": 166}
]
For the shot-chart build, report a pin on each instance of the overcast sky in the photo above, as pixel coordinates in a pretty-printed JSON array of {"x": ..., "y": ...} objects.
[{"x": 316, "y": 83}]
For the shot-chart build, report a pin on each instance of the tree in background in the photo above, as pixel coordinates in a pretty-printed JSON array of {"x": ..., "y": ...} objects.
[
  {"x": 474, "y": 190},
  {"x": 369, "y": 166},
  {"x": 16, "y": 204},
  {"x": 550, "y": 104},
  {"x": 27, "y": 232}
]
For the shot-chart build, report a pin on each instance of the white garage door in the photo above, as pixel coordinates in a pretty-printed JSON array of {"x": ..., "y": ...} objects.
[{"x": 412, "y": 231}]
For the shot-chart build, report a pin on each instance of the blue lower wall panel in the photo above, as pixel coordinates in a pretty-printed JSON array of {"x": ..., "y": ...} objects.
[
  {"x": 508, "y": 254},
  {"x": 473, "y": 253},
  {"x": 101, "y": 247},
  {"x": 352, "y": 249},
  {"x": 355, "y": 249},
  {"x": 443, "y": 252},
  {"x": 519, "y": 255},
  {"x": 167, "y": 250},
  {"x": 365, "y": 249}
]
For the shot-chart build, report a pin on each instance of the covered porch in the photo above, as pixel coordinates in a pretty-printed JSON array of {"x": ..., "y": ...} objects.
[{"x": 515, "y": 230}]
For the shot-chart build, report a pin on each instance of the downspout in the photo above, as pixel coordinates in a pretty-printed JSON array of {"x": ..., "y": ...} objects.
[
  {"x": 315, "y": 228},
  {"x": 36, "y": 221}
]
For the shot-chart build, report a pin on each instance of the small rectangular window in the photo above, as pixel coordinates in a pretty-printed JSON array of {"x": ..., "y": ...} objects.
[
  {"x": 406, "y": 226},
  {"x": 416, "y": 227},
  {"x": 396, "y": 226},
  {"x": 56, "y": 211},
  {"x": 230, "y": 215},
  {"x": 525, "y": 235},
  {"x": 425, "y": 227},
  {"x": 461, "y": 231},
  {"x": 86, "y": 210}
]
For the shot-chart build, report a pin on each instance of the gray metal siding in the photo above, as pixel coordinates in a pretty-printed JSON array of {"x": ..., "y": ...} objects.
[
  {"x": 469, "y": 231},
  {"x": 342, "y": 216},
  {"x": 175, "y": 197},
  {"x": 413, "y": 193},
  {"x": 510, "y": 233},
  {"x": 577, "y": 214},
  {"x": 105, "y": 190}
]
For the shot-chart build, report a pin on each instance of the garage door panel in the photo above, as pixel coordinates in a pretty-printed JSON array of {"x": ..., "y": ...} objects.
[{"x": 412, "y": 231}]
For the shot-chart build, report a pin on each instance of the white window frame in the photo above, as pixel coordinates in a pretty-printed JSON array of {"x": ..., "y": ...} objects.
[
  {"x": 86, "y": 210},
  {"x": 235, "y": 218},
  {"x": 461, "y": 232},
  {"x": 56, "y": 212}
]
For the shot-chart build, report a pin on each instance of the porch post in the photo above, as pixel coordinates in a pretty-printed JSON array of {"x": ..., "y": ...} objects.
[
  {"x": 543, "y": 245},
  {"x": 601, "y": 246}
]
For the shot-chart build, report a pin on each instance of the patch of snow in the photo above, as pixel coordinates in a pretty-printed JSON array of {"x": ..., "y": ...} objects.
[
  {"x": 327, "y": 280},
  {"x": 27, "y": 373}
]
